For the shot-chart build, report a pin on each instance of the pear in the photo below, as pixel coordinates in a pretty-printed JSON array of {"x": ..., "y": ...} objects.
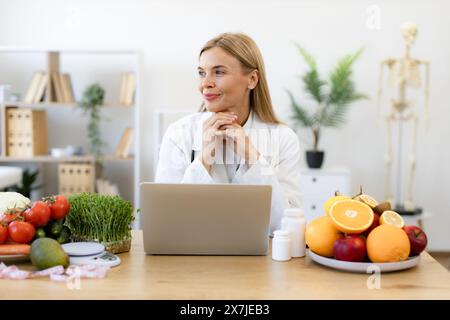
[{"x": 47, "y": 253}]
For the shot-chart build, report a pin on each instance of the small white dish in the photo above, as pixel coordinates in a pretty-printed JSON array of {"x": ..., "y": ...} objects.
[
  {"x": 57, "y": 152},
  {"x": 364, "y": 267},
  {"x": 63, "y": 152},
  {"x": 83, "y": 248}
]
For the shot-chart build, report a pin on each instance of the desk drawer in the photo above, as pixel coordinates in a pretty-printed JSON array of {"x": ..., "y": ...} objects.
[{"x": 313, "y": 208}]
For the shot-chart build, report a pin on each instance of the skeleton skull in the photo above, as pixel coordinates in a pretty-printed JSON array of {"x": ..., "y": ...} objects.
[{"x": 409, "y": 32}]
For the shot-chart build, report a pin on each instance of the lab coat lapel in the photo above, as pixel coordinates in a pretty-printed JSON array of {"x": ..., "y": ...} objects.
[
  {"x": 265, "y": 137},
  {"x": 250, "y": 130},
  {"x": 198, "y": 132}
]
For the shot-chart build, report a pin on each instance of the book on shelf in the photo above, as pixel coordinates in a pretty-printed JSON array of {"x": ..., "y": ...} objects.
[
  {"x": 52, "y": 67},
  {"x": 33, "y": 87},
  {"x": 57, "y": 86},
  {"x": 41, "y": 89},
  {"x": 37, "y": 87},
  {"x": 123, "y": 87},
  {"x": 61, "y": 86},
  {"x": 127, "y": 88},
  {"x": 125, "y": 143},
  {"x": 67, "y": 88}
]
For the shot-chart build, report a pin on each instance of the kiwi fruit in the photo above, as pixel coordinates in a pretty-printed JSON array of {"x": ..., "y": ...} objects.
[{"x": 382, "y": 207}]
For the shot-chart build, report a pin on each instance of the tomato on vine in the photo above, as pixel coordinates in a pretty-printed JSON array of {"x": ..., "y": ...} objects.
[{"x": 59, "y": 206}]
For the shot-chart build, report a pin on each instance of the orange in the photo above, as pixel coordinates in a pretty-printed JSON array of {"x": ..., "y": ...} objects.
[
  {"x": 329, "y": 203},
  {"x": 320, "y": 236},
  {"x": 387, "y": 243},
  {"x": 392, "y": 217},
  {"x": 351, "y": 216}
]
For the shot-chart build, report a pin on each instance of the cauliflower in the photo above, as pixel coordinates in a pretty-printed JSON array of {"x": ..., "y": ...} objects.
[{"x": 9, "y": 200}]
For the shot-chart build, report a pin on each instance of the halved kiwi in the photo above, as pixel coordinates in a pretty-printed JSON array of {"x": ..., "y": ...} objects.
[{"x": 382, "y": 207}]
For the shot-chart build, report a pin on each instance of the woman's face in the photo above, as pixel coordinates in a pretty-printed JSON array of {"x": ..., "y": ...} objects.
[{"x": 223, "y": 83}]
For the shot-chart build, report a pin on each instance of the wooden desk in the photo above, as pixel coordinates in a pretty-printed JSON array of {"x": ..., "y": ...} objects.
[{"x": 221, "y": 277}]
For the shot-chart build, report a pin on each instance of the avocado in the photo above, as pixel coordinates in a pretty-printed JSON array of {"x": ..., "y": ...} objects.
[{"x": 47, "y": 253}]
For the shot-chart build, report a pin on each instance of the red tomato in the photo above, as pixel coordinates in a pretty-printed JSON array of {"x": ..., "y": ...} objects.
[
  {"x": 39, "y": 214},
  {"x": 11, "y": 215},
  {"x": 3, "y": 233},
  {"x": 21, "y": 232},
  {"x": 59, "y": 207}
]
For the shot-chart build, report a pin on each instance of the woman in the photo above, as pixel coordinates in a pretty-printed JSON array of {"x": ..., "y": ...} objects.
[{"x": 236, "y": 137}]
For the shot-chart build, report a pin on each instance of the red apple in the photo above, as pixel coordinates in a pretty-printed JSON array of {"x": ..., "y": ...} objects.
[
  {"x": 417, "y": 239},
  {"x": 350, "y": 248},
  {"x": 375, "y": 223}
]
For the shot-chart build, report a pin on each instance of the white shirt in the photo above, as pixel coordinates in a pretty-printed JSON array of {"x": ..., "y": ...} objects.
[{"x": 278, "y": 164}]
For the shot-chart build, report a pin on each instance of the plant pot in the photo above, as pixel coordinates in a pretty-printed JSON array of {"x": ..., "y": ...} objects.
[
  {"x": 314, "y": 159},
  {"x": 117, "y": 246}
]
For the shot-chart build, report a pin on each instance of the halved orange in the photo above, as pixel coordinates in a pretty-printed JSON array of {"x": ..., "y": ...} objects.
[
  {"x": 327, "y": 205},
  {"x": 392, "y": 217},
  {"x": 351, "y": 216}
]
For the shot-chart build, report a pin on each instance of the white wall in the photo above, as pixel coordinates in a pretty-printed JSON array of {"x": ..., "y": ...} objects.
[{"x": 170, "y": 33}]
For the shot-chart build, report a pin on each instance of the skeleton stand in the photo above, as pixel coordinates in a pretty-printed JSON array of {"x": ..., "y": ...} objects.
[{"x": 406, "y": 73}]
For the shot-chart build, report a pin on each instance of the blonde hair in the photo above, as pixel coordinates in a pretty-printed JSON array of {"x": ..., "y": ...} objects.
[{"x": 243, "y": 48}]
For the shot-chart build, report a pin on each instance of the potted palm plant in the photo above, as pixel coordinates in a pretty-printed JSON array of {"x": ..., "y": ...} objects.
[{"x": 331, "y": 98}]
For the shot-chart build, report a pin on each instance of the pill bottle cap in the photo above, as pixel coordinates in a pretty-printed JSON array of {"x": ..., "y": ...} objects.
[{"x": 281, "y": 233}]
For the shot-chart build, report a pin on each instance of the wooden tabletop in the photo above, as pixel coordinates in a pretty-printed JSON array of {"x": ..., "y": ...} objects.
[{"x": 235, "y": 277}]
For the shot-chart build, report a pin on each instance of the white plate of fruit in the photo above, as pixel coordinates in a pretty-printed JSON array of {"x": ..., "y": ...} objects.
[
  {"x": 364, "y": 267},
  {"x": 358, "y": 234}
]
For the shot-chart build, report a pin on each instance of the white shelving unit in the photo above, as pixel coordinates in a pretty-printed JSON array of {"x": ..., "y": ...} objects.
[
  {"x": 68, "y": 124},
  {"x": 318, "y": 185}
]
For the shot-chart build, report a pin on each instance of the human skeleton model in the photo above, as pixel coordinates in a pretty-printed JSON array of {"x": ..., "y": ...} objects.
[{"x": 403, "y": 73}]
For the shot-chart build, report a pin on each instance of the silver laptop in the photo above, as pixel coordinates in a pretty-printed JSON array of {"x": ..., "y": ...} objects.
[{"x": 205, "y": 219}]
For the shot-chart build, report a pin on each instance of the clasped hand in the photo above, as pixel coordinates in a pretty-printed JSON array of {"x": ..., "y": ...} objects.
[{"x": 225, "y": 125}]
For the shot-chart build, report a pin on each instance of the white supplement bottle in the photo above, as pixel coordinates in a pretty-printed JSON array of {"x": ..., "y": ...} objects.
[
  {"x": 294, "y": 221},
  {"x": 281, "y": 245}
]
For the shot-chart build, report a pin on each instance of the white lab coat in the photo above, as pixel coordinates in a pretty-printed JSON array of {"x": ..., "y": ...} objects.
[{"x": 278, "y": 165}]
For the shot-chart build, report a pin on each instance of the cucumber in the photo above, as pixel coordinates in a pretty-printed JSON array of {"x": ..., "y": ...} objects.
[
  {"x": 53, "y": 228},
  {"x": 64, "y": 236},
  {"x": 40, "y": 233}
]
